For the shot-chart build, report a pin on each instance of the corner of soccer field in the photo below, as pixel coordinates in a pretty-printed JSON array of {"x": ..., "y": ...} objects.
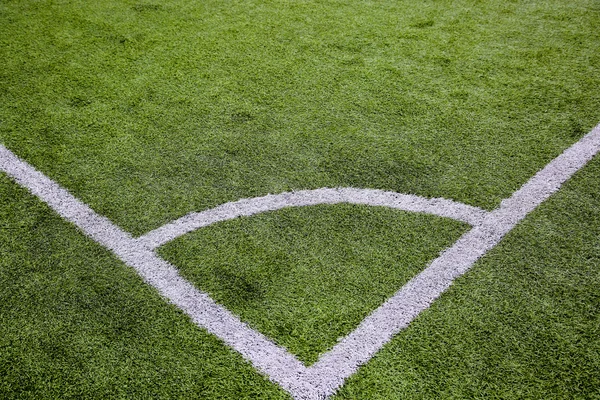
[{"x": 307, "y": 199}]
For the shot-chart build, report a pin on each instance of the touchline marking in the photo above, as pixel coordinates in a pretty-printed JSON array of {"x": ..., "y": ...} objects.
[{"x": 322, "y": 379}]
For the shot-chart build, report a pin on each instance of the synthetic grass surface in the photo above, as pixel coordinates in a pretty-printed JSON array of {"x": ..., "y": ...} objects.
[
  {"x": 524, "y": 323},
  {"x": 147, "y": 111},
  {"x": 306, "y": 277},
  {"x": 77, "y": 323}
]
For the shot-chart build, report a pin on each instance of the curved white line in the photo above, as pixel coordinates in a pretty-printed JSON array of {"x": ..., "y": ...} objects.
[{"x": 372, "y": 197}]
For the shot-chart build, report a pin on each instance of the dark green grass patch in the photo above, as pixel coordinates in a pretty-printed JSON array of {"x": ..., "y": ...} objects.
[
  {"x": 307, "y": 276},
  {"x": 75, "y": 323},
  {"x": 149, "y": 110},
  {"x": 524, "y": 323}
]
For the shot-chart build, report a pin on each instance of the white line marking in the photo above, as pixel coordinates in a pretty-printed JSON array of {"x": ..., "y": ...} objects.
[
  {"x": 323, "y": 378},
  {"x": 246, "y": 207},
  {"x": 418, "y": 294},
  {"x": 262, "y": 352}
]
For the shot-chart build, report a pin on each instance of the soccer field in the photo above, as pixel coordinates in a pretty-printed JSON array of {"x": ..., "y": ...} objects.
[{"x": 300, "y": 199}]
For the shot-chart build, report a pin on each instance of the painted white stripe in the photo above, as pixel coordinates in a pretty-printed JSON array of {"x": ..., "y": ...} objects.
[
  {"x": 328, "y": 374},
  {"x": 420, "y": 292},
  {"x": 97, "y": 227},
  {"x": 269, "y": 358},
  {"x": 372, "y": 197}
]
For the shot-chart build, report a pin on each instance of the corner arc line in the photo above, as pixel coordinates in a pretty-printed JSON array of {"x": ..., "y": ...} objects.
[{"x": 372, "y": 197}]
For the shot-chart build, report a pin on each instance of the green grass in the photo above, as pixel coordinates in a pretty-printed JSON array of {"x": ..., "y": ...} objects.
[
  {"x": 307, "y": 276},
  {"x": 77, "y": 323},
  {"x": 147, "y": 111},
  {"x": 523, "y": 324}
]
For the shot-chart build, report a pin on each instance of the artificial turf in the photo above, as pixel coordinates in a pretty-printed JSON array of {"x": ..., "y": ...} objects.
[
  {"x": 524, "y": 323},
  {"x": 147, "y": 111},
  {"x": 75, "y": 323},
  {"x": 307, "y": 276}
]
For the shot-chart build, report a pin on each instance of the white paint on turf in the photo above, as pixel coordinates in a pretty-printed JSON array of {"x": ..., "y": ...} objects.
[
  {"x": 264, "y": 354},
  {"x": 246, "y": 207},
  {"x": 418, "y": 294},
  {"x": 322, "y": 379}
]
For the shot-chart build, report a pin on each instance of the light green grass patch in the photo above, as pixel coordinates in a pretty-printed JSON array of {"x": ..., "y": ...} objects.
[{"x": 147, "y": 111}]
